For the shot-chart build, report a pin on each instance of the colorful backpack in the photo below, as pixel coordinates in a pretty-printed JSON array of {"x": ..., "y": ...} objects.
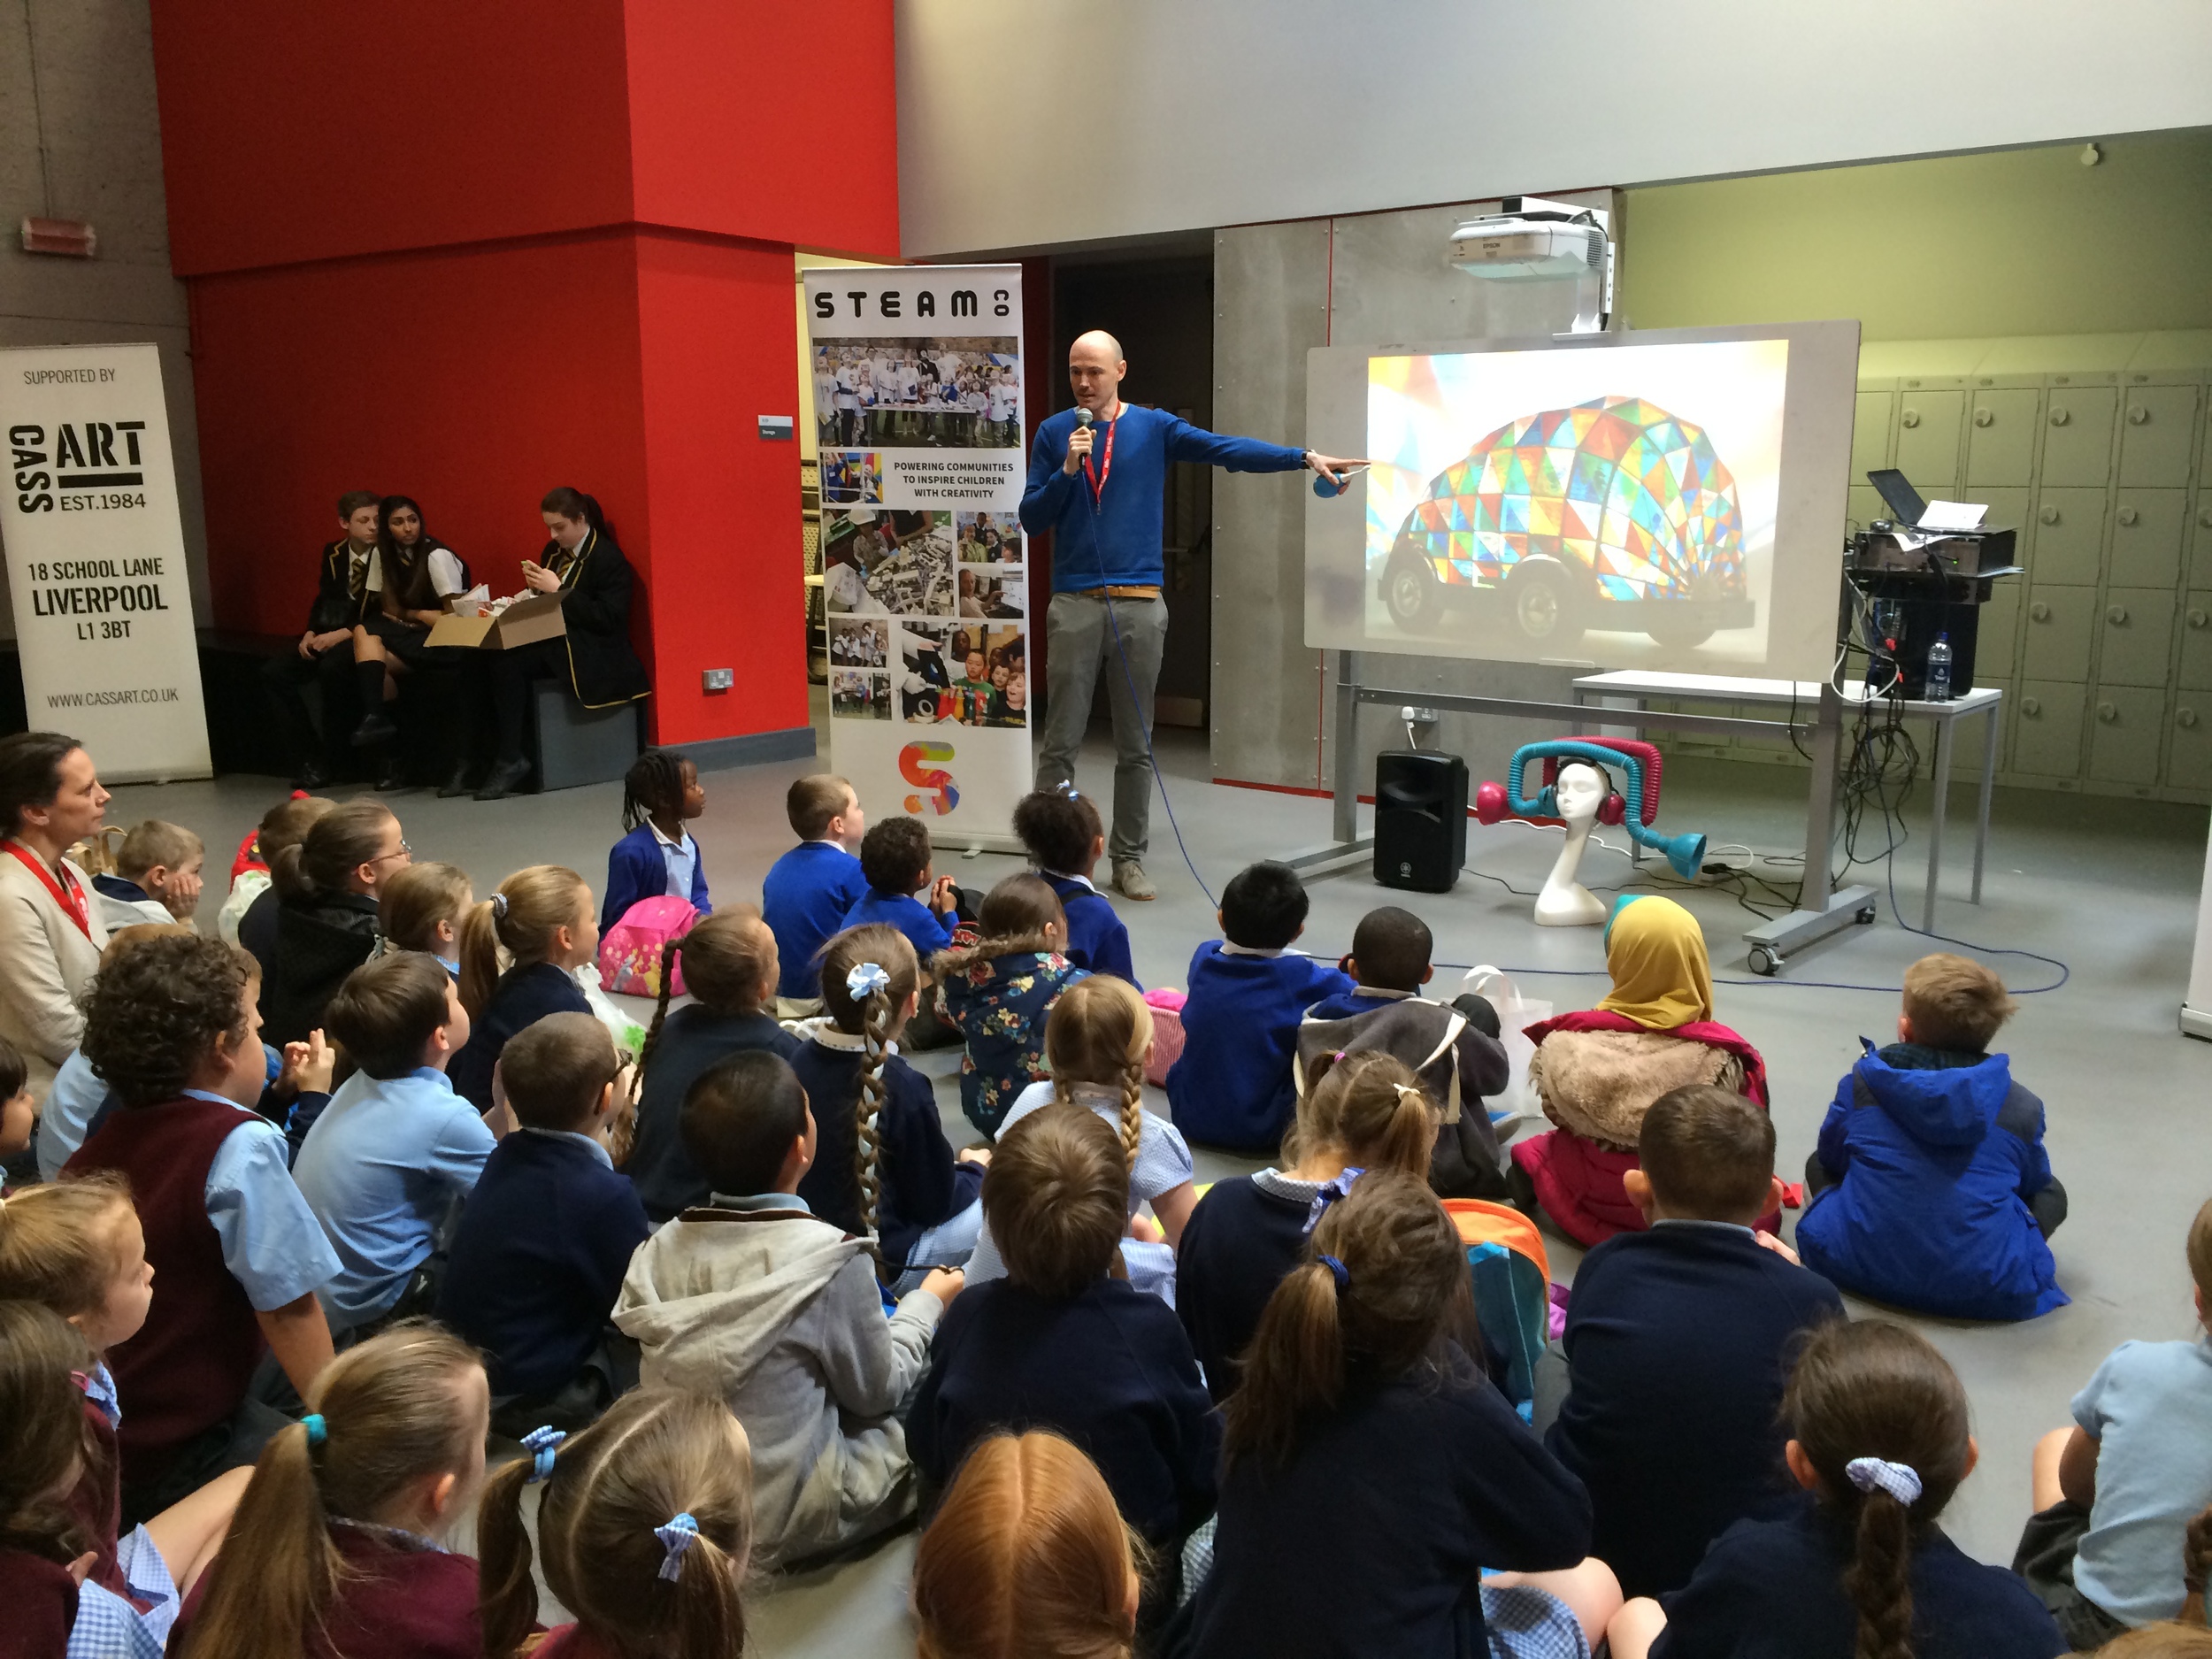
[
  {"x": 630, "y": 951},
  {"x": 1513, "y": 1292},
  {"x": 1167, "y": 1034}
]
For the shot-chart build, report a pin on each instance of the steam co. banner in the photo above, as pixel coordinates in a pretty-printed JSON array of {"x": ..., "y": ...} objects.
[
  {"x": 918, "y": 410},
  {"x": 96, "y": 560}
]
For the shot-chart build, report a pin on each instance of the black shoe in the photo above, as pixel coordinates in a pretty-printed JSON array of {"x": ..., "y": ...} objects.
[
  {"x": 373, "y": 729},
  {"x": 457, "y": 782},
  {"x": 391, "y": 771},
  {"x": 310, "y": 775},
  {"x": 505, "y": 777}
]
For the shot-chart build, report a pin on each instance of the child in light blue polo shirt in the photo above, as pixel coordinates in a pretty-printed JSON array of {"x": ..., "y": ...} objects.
[{"x": 388, "y": 1163}]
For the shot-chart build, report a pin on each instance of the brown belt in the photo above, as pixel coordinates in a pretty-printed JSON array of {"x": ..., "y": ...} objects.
[{"x": 1117, "y": 593}]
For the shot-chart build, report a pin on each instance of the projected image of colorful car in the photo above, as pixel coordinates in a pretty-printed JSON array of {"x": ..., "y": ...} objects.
[{"x": 1613, "y": 514}]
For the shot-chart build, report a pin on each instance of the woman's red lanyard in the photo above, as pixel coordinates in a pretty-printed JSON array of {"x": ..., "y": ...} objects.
[
  {"x": 70, "y": 897},
  {"x": 1106, "y": 467}
]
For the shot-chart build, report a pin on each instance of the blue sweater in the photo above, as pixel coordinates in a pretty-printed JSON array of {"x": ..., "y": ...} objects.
[
  {"x": 1121, "y": 547},
  {"x": 523, "y": 996},
  {"x": 1109, "y": 1368},
  {"x": 1242, "y": 1240},
  {"x": 693, "y": 1038},
  {"x": 803, "y": 901},
  {"x": 637, "y": 869},
  {"x": 539, "y": 1257},
  {"x": 1233, "y": 1086},
  {"x": 1097, "y": 941},
  {"x": 1936, "y": 1155},
  {"x": 927, "y": 931},
  {"x": 1678, "y": 1341}
]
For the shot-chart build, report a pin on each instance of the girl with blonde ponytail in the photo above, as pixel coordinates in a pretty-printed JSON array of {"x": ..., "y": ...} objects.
[
  {"x": 886, "y": 1170},
  {"x": 520, "y": 952},
  {"x": 1097, "y": 1043},
  {"x": 1360, "y": 1113},
  {"x": 1361, "y": 1364},
  {"x": 644, "y": 1531},
  {"x": 334, "y": 1553}
]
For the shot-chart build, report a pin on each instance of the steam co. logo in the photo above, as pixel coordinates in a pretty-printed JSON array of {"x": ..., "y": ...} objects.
[{"x": 917, "y": 764}]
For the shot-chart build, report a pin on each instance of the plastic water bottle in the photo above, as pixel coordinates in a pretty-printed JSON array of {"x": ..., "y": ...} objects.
[{"x": 1938, "y": 670}]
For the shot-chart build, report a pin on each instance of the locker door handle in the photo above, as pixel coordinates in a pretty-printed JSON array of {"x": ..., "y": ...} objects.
[
  {"x": 2185, "y": 718},
  {"x": 1909, "y": 418},
  {"x": 2049, "y": 515},
  {"x": 2031, "y": 706},
  {"x": 2117, "y": 616},
  {"x": 2059, "y": 417},
  {"x": 2128, "y": 515},
  {"x": 2197, "y": 619},
  {"x": 2204, "y": 518},
  {"x": 1985, "y": 417},
  {"x": 2138, "y": 415},
  {"x": 2107, "y": 713},
  {"x": 2039, "y": 612}
]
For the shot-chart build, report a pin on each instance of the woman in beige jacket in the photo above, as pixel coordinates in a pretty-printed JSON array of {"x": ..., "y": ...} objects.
[{"x": 50, "y": 934}]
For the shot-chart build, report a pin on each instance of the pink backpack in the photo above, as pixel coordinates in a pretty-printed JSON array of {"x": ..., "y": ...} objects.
[
  {"x": 1167, "y": 1034},
  {"x": 630, "y": 951}
]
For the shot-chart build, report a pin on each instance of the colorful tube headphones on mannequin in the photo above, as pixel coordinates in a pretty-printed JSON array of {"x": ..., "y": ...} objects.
[{"x": 1493, "y": 802}]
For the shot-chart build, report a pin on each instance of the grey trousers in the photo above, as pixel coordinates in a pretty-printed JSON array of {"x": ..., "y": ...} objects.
[{"x": 1078, "y": 638}]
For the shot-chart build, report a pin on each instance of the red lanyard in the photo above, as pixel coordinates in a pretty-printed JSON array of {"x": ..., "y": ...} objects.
[
  {"x": 1106, "y": 467},
  {"x": 71, "y": 898}
]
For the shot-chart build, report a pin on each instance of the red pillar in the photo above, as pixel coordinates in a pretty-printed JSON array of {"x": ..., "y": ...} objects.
[{"x": 472, "y": 252}]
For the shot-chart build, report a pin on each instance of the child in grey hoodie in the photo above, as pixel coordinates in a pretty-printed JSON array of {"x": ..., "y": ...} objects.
[{"x": 756, "y": 1300}]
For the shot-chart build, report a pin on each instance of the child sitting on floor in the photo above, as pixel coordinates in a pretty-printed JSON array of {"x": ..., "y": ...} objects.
[
  {"x": 335, "y": 1552},
  {"x": 391, "y": 1157},
  {"x": 811, "y": 887},
  {"x": 1931, "y": 1188},
  {"x": 1453, "y": 1049},
  {"x": 1879, "y": 1442},
  {"x": 895, "y": 858},
  {"x": 548, "y": 1233},
  {"x": 661, "y": 793},
  {"x": 248, "y": 916},
  {"x": 729, "y": 967},
  {"x": 1060, "y": 1343},
  {"x": 1097, "y": 1043},
  {"x": 2116, "y": 1494},
  {"x": 18, "y": 1112},
  {"x": 1061, "y": 832},
  {"x": 327, "y": 923},
  {"x": 539, "y": 925},
  {"x": 1366, "y": 1111},
  {"x": 1678, "y": 1341},
  {"x": 1599, "y": 1072},
  {"x": 885, "y": 1170},
  {"x": 157, "y": 876},
  {"x": 997, "y": 993},
  {"x": 644, "y": 1529},
  {"x": 423, "y": 907},
  {"x": 754, "y": 1300},
  {"x": 1233, "y": 1086}
]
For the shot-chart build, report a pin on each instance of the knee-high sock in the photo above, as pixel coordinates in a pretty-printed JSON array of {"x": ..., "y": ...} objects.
[{"x": 368, "y": 674}]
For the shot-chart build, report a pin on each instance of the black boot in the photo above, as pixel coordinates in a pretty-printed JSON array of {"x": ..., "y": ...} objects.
[
  {"x": 457, "y": 782},
  {"x": 391, "y": 771},
  {"x": 505, "y": 777}
]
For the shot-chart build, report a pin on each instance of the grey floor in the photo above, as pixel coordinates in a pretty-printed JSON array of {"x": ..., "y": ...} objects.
[{"x": 2108, "y": 888}]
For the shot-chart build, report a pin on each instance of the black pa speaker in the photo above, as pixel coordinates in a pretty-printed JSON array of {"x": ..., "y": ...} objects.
[{"x": 1420, "y": 819}]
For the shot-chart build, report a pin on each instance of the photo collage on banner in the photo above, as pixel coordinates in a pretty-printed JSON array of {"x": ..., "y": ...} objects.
[{"x": 919, "y": 418}]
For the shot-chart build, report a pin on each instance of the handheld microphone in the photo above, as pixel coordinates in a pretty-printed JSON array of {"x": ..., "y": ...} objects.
[{"x": 1082, "y": 417}]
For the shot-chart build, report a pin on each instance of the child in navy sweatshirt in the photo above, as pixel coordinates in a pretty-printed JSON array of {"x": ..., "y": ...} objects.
[
  {"x": 548, "y": 1233},
  {"x": 1678, "y": 1341},
  {"x": 811, "y": 887},
  {"x": 1234, "y": 1086},
  {"x": 1065, "y": 839},
  {"x": 1060, "y": 1343},
  {"x": 895, "y": 859},
  {"x": 660, "y": 794}
]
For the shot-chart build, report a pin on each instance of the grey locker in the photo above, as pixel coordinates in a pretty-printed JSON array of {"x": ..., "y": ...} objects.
[
  {"x": 1866, "y": 506},
  {"x": 2147, "y": 531},
  {"x": 1871, "y": 417},
  {"x": 2201, "y": 528},
  {"x": 1927, "y": 448},
  {"x": 2189, "y": 746},
  {"x": 2128, "y": 731},
  {"x": 2009, "y": 509},
  {"x": 2077, "y": 434},
  {"x": 2060, "y": 628},
  {"x": 2196, "y": 643},
  {"x": 2001, "y": 439},
  {"x": 1997, "y": 635},
  {"x": 2047, "y": 732},
  {"x": 2136, "y": 649},
  {"x": 2069, "y": 536},
  {"x": 2157, "y": 423}
]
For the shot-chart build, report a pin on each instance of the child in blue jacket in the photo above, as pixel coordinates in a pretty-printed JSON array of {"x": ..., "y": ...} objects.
[
  {"x": 1933, "y": 1190},
  {"x": 895, "y": 859},
  {"x": 1061, "y": 832},
  {"x": 657, "y": 857},
  {"x": 807, "y": 891},
  {"x": 1249, "y": 990}
]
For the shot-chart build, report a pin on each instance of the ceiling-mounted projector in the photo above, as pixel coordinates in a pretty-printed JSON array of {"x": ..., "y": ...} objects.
[{"x": 1533, "y": 240}]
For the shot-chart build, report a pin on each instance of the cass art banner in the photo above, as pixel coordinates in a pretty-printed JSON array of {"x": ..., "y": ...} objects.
[
  {"x": 96, "y": 560},
  {"x": 918, "y": 413}
]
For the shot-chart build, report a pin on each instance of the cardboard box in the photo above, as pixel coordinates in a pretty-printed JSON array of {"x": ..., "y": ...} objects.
[{"x": 524, "y": 622}]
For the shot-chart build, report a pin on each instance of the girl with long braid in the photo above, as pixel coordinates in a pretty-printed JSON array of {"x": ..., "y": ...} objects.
[
  {"x": 885, "y": 1171},
  {"x": 1096, "y": 1042}
]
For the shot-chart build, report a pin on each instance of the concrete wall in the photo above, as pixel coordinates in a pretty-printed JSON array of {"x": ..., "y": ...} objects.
[
  {"x": 1234, "y": 112},
  {"x": 80, "y": 138}
]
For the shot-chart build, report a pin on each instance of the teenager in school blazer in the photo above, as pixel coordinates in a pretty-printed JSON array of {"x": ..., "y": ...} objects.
[{"x": 596, "y": 585}]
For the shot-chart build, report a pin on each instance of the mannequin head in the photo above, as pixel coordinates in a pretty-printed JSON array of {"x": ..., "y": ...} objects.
[{"x": 1580, "y": 791}]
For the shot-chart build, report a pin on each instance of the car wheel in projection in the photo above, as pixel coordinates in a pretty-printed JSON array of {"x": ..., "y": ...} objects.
[
  {"x": 1546, "y": 609},
  {"x": 1410, "y": 589},
  {"x": 1683, "y": 634}
]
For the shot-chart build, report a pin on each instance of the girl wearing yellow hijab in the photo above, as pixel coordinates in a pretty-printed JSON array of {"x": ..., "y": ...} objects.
[{"x": 1599, "y": 1072}]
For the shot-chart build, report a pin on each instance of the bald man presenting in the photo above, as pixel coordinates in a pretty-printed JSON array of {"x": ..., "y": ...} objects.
[{"x": 1100, "y": 486}]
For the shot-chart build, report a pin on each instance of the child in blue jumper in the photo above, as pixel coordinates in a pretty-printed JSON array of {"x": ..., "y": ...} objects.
[
  {"x": 895, "y": 858},
  {"x": 1933, "y": 1191},
  {"x": 811, "y": 887},
  {"x": 660, "y": 792},
  {"x": 548, "y": 1233},
  {"x": 1065, "y": 839},
  {"x": 1233, "y": 1086}
]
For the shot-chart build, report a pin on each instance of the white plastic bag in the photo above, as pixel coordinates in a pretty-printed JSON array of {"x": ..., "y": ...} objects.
[
  {"x": 1514, "y": 1012},
  {"x": 629, "y": 1036}
]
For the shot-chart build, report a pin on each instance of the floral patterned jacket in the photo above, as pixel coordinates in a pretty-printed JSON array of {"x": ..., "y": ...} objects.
[{"x": 999, "y": 1007}]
